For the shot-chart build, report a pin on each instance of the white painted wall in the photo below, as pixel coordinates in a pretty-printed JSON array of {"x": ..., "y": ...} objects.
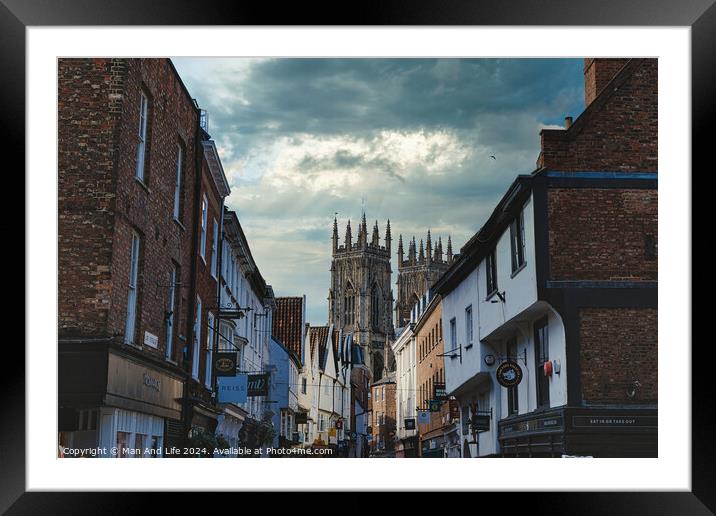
[
  {"x": 520, "y": 290},
  {"x": 494, "y": 322},
  {"x": 405, "y": 378},
  {"x": 454, "y": 305}
]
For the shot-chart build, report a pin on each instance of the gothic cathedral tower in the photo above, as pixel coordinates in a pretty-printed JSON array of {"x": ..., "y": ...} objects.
[
  {"x": 418, "y": 273},
  {"x": 360, "y": 299}
]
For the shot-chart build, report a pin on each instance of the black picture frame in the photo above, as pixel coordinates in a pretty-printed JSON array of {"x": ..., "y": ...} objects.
[{"x": 699, "y": 15}]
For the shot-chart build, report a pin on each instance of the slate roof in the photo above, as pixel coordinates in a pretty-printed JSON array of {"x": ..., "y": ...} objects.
[{"x": 288, "y": 322}]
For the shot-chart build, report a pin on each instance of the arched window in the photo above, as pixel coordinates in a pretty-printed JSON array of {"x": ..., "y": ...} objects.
[
  {"x": 349, "y": 305},
  {"x": 375, "y": 303}
]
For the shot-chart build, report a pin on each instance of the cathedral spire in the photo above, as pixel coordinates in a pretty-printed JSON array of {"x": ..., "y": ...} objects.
[
  {"x": 349, "y": 237},
  {"x": 421, "y": 258},
  {"x": 429, "y": 248},
  {"x": 335, "y": 235},
  {"x": 387, "y": 237},
  {"x": 400, "y": 248},
  {"x": 363, "y": 232},
  {"x": 439, "y": 250},
  {"x": 375, "y": 241},
  {"x": 449, "y": 250},
  {"x": 411, "y": 251}
]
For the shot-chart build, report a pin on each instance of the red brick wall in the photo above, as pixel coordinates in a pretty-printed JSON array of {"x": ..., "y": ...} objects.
[
  {"x": 86, "y": 184},
  {"x": 617, "y": 347},
  {"x": 618, "y": 133},
  {"x": 100, "y": 201},
  {"x": 387, "y": 407},
  {"x": 430, "y": 367},
  {"x": 599, "y": 234},
  {"x": 597, "y": 73}
]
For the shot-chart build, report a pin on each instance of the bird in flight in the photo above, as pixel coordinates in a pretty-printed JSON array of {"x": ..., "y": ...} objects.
[{"x": 493, "y": 157}]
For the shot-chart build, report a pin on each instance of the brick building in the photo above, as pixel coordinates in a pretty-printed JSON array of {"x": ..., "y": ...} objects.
[
  {"x": 128, "y": 141},
  {"x": 382, "y": 417},
  {"x": 556, "y": 295},
  {"x": 438, "y": 437}
]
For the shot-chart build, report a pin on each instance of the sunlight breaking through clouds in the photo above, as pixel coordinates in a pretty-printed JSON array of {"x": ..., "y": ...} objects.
[{"x": 409, "y": 139}]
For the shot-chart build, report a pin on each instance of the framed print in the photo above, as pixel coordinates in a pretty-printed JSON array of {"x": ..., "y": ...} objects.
[{"x": 433, "y": 235}]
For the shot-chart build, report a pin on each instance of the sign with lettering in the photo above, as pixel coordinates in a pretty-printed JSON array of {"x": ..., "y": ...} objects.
[
  {"x": 151, "y": 340},
  {"x": 301, "y": 418},
  {"x": 538, "y": 425},
  {"x": 439, "y": 391},
  {"x": 258, "y": 385},
  {"x": 233, "y": 389},
  {"x": 225, "y": 363},
  {"x": 151, "y": 381},
  {"x": 509, "y": 374},
  {"x": 617, "y": 421},
  {"x": 339, "y": 424},
  {"x": 434, "y": 405},
  {"x": 410, "y": 423}
]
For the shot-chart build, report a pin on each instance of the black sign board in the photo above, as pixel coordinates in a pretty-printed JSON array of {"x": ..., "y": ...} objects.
[
  {"x": 480, "y": 423},
  {"x": 339, "y": 424},
  {"x": 258, "y": 385},
  {"x": 434, "y": 405},
  {"x": 539, "y": 425},
  {"x": 301, "y": 418},
  {"x": 225, "y": 363},
  {"x": 410, "y": 424},
  {"x": 439, "y": 392},
  {"x": 509, "y": 374}
]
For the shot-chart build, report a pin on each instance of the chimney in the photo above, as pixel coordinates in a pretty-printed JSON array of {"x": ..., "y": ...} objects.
[
  {"x": 597, "y": 74},
  {"x": 567, "y": 122}
]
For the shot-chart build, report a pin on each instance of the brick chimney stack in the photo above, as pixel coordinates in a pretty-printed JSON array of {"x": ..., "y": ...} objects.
[{"x": 597, "y": 74}]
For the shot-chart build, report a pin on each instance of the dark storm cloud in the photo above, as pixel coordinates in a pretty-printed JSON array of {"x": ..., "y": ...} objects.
[{"x": 358, "y": 95}]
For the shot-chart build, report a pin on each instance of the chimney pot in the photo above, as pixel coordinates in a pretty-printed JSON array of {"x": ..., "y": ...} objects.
[{"x": 567, "y": 122}]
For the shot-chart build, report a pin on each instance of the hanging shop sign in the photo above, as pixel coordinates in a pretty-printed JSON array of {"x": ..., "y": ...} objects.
[
  {"x": 423, "y": 417},
  {"x": 480, "y": 423},
  {"x": 439, "y": 392},
  {"x": 258, "y": 385},
  {"x": 233, "y": 389},
  {"x": 301, "y": 418},
  {"x": 509, "y": 374},
  {"x": 434, "y": 405},
  {"x": 225, "y": 363},
  {"x": 410, "y": 423},
  {"x": 454, "y": 409},
  {"x": 339, "y": 424}
]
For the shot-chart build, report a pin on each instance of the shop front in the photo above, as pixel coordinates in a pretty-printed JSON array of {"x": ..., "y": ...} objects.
[
  {"x": 581, "y": 432},
  {"x": 115, "y": 401},
  {"x": 433, "y": 444}
]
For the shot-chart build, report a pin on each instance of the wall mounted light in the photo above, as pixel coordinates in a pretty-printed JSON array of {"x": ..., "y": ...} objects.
[{"x": 489, "y": 360}]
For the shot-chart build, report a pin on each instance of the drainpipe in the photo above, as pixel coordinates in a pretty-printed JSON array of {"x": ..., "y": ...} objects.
[{"x": 217, "y": 320}]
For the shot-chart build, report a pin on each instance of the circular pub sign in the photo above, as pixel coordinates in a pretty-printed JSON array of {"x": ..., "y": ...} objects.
[{"x": 509, "y": 374}]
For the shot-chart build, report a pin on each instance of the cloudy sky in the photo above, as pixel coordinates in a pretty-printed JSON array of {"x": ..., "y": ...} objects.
[{"x": 410, "y": 139}]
